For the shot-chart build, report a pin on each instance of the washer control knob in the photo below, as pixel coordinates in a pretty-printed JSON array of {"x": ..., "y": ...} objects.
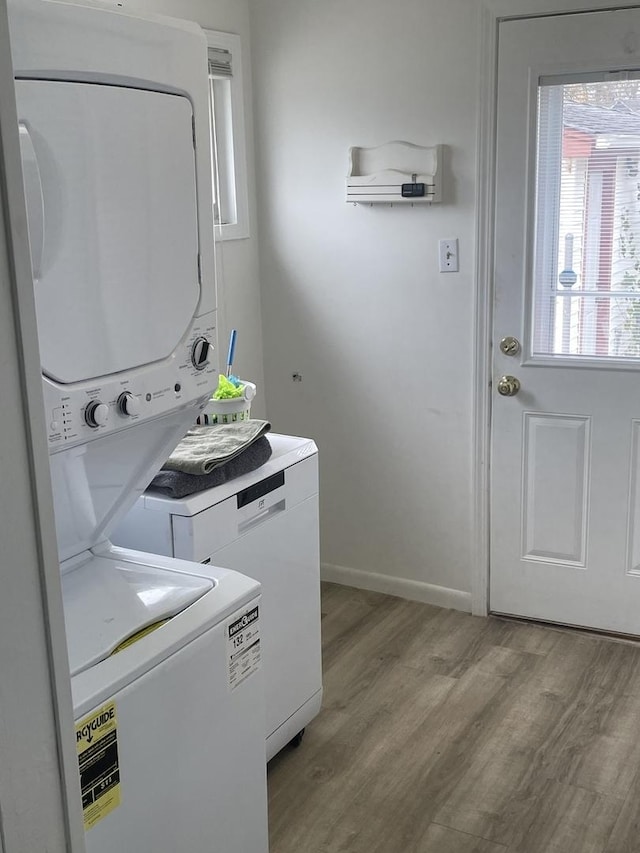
[
  {"x": 128, "y": 404},
  {"x": 200, "y": 353},
  {"x": 96, "y": 414}
]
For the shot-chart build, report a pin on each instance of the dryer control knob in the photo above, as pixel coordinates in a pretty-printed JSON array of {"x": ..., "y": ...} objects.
[
  {"x": 128, "y": 404},
  {"x": 200, "y": 353},
  {"x": 96, "y": 414}
]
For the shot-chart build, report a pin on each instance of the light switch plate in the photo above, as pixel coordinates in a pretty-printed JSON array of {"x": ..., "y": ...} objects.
[{"x": 448, "y": 255}]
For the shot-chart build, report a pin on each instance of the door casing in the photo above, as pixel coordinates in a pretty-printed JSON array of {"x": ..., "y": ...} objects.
[{"x": 491, "y": 14}]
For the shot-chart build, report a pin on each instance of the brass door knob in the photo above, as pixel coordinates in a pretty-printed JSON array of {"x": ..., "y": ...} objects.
[{"x": 508, "y": 386}]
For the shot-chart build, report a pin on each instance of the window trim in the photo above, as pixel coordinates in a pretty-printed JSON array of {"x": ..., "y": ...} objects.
[{"x": 239, "y": 229}]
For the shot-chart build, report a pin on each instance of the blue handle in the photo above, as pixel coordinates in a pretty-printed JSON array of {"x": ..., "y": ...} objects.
[{"x": 232, "y": 347}]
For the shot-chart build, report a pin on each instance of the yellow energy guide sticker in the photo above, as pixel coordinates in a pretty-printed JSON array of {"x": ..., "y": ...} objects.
[{"x": 97, "y": 745}]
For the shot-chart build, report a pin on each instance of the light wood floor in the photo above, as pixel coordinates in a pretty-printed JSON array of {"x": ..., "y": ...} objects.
[{"x": 445, "y": 733}]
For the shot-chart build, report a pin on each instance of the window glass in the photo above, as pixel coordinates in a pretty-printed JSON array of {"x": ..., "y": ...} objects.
[
  {"x": 226, "y": 114},
  {"x": 223, "y": 164},
  {"x": 586, "y": 269}
]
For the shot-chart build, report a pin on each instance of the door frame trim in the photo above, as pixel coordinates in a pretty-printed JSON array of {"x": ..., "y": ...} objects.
[
  {"x": 33, "y": 646},
  {"x": 491, "y": 13}
]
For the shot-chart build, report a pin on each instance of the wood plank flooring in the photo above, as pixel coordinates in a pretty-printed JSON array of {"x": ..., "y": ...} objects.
[{"x": 444, "y": 733}]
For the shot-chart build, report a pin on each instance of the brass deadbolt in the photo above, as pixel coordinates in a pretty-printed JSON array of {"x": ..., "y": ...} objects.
[{"x": 510, "y": 346}]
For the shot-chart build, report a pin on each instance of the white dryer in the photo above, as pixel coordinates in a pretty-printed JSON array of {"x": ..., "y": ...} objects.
[{"x": 167, "y": 681}]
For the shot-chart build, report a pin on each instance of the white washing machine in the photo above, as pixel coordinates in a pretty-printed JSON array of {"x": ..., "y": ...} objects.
[
  {"x": 167, "y": 680},
  {"x": 264, "y": 524},
  {"x": 169, "y": 758}
]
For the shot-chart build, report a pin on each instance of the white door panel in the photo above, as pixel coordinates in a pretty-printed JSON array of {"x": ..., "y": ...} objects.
[
  {"x": 565, "y": 479},
  {"x": 287, "y": 568},
  {"x": 102, "y": 259},
  {"x": 555, "y": 487}
]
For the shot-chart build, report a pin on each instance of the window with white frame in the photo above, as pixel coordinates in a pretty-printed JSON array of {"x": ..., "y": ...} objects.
[
  {"x": 586, "y": 271},
  {"x": 226, "y": 115}
]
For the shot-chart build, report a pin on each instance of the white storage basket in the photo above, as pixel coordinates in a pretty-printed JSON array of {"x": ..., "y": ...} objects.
[{"x": 228, "y": 411}]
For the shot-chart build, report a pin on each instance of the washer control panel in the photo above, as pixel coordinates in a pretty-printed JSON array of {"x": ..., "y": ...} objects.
[{"x": 80, "y": 412}]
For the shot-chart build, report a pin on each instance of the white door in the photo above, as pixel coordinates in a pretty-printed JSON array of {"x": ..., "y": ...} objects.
[
  {"x": 285, "y": 561},
  {"x": 565, "y": 482}
]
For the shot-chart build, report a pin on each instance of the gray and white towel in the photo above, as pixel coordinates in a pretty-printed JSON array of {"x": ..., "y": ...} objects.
[
  {"x": 177, "y": 484},
  {"x": 205, "y": 448}
]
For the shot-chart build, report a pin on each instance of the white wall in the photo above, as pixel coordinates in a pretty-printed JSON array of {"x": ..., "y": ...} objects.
[
  {"x": 237, "y": 259},
  {"x": 351, "y": 296}
]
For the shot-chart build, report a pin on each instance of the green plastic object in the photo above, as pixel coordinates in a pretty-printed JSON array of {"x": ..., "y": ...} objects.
[{"x": 226, "y": 390}]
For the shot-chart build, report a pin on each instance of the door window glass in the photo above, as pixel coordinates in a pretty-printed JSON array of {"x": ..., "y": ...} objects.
[{"x": 586, "y": 262}]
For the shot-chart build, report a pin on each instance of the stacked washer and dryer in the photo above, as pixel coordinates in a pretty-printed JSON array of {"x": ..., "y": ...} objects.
[{"x": 165, "y": 658}]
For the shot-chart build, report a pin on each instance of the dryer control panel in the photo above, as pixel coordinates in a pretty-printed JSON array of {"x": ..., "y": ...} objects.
[{"x": 80, "y": 412}]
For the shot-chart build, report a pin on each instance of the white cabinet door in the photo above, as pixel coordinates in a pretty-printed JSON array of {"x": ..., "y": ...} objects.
[
  {"x": 111, "y": 198},
  {"x": 565, "y": 482},
  {"x": 285, "y": 558}
]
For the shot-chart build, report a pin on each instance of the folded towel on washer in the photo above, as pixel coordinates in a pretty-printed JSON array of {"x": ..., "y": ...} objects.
[
  {"x": 177, "y": 484},
  {"x": 207, "y": 447}
]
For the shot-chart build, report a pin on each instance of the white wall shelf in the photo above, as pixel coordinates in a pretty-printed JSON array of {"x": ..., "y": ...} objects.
[{"x": 395, "y": 173}]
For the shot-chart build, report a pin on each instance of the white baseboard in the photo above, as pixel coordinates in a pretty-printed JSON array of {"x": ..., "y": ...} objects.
[{"x": 428, "y": 593}]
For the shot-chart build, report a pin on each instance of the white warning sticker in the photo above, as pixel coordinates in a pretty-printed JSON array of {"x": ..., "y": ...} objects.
[{"x": 243, "y": 645}]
